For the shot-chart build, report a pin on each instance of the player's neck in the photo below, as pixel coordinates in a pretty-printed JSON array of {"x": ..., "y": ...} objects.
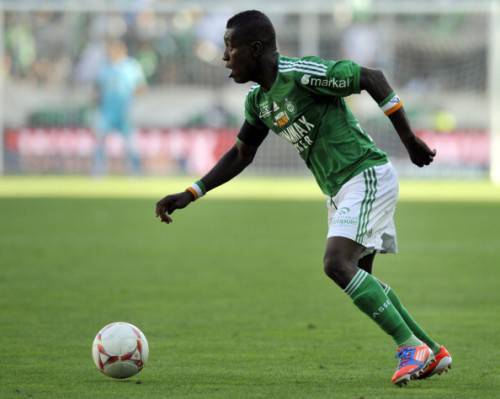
[{"x": 268, "y": 72}]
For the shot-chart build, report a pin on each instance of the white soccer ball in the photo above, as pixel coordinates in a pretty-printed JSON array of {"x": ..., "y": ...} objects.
[{"x": 120, "y": 350}]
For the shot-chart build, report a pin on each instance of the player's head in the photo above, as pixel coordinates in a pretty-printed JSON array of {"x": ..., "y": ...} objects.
[
  {"x": 249, "y": 37},
  {"x": 117, "y": 49}
]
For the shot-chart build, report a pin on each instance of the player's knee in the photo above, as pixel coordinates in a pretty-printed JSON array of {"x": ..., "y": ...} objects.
[
  {"x": 329, "y": 266},
  {"x": 335, "y": 267}
]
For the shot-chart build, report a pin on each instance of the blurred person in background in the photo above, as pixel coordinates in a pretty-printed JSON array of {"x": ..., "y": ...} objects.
[
  {"x": 20, "y": 47},
  {"x": 118, "y": 81}
]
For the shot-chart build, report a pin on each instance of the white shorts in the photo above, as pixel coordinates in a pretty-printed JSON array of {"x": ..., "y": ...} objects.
[{"x": 363, "y": 209}]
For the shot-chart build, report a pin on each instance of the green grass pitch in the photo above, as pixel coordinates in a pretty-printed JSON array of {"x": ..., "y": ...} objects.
[{"x": 232, "y": 296}]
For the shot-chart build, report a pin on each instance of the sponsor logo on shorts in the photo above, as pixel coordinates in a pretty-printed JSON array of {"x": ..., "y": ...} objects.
[
  {"x": 343, "y": 210},
  {"x": 343, "y": 218}
]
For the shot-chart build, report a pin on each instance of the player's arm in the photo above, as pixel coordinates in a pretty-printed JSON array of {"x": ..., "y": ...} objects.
[
  {"x": 375, "y": 83},
  {"x": 232, "y": 163},
  {"x": 141, "y": 84}
]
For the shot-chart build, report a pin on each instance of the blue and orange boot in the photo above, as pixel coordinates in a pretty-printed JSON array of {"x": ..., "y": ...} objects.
[
  {"x": 413, "y": 361},
  {"x": 441, "y": 363}
]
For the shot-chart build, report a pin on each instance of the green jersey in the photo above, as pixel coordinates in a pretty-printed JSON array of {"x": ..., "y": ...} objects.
[{"x": 305, "y": 105}]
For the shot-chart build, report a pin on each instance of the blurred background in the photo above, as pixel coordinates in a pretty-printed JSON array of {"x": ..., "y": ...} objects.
[{"x": 177, "y": 110}]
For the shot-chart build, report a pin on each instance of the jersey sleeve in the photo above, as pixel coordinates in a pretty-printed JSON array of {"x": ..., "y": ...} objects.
[
  {"x": 252, "y": 135},
  {"x": 253, "y": 131},
  {"x": 328, "y": 77},
  {"x": 251, "y": 113}
]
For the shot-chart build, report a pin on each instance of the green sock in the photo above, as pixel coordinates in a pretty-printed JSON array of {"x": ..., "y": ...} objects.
[
  {"x": 417, "y": 330},
  {"x": 368, "y": 295}
]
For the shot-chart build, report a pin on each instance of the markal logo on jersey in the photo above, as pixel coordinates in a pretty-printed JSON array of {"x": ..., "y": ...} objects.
[{"x": 318, "y": 82}]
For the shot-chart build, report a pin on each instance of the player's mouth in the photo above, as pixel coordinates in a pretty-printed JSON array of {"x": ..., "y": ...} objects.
[{"x": 231, "y": 74}]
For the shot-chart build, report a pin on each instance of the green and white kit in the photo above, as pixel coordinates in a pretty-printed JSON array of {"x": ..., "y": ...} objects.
[
  {"x": 306, "y": 106},
  {"x": 363, "y": 209}
]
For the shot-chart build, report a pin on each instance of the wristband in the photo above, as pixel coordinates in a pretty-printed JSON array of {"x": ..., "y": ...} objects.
[
  {"x": 391, "y": 104},
  {"x": 197, "y": 189}
]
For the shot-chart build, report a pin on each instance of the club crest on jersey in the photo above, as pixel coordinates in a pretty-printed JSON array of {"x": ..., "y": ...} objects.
[
  {"x": 290, "y": 106},
  {"x": 308, "y": 80}
]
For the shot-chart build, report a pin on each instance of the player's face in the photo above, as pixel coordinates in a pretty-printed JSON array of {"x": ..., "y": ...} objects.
[{"x": 238, "y": 57}]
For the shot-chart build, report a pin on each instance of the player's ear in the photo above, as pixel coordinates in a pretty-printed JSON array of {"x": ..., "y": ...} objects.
[{"x": 257, "y": 47}]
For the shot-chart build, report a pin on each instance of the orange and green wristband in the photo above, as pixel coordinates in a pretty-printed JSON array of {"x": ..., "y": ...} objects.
[
  {"x": 391, "y": 104},
  {"x": 197, "y": 189}
]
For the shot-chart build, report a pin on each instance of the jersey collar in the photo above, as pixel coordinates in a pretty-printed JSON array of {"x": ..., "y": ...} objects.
[{"x": 276, "y": 81}]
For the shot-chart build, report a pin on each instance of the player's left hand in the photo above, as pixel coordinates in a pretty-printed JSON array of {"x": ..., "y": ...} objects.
[{"x": 420, "y": 153}]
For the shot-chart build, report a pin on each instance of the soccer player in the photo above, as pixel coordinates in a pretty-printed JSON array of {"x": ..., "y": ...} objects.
[
  {"x": 302, "y": 100},
  {"x": 119, "y": 80}
]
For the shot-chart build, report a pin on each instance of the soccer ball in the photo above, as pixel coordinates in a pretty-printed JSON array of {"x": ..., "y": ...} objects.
[{"x": 120, "y": 350}]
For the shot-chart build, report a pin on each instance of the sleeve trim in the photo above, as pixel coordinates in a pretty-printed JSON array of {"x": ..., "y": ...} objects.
[
  {"x": 357, "y": 78},
  {"x": 387, "y": 99}
]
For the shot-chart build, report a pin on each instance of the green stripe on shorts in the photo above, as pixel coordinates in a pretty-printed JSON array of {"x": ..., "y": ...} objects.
[
  {"x": 367, "y": 204},
  {"x": 370, "y": 203},
  {"x": 363, "y": 205}
]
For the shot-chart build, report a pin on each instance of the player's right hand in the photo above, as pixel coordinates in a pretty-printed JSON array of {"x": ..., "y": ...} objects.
[{"x": 167, "y": 205}]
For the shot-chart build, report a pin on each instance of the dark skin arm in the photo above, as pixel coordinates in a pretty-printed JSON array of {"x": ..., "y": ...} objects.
[
  {"x": 375, "y": 83},
  {"x": 230, "y": 165}
]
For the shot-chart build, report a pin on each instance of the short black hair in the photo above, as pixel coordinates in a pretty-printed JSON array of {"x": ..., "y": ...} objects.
[{"x": 254, "y": 25}]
